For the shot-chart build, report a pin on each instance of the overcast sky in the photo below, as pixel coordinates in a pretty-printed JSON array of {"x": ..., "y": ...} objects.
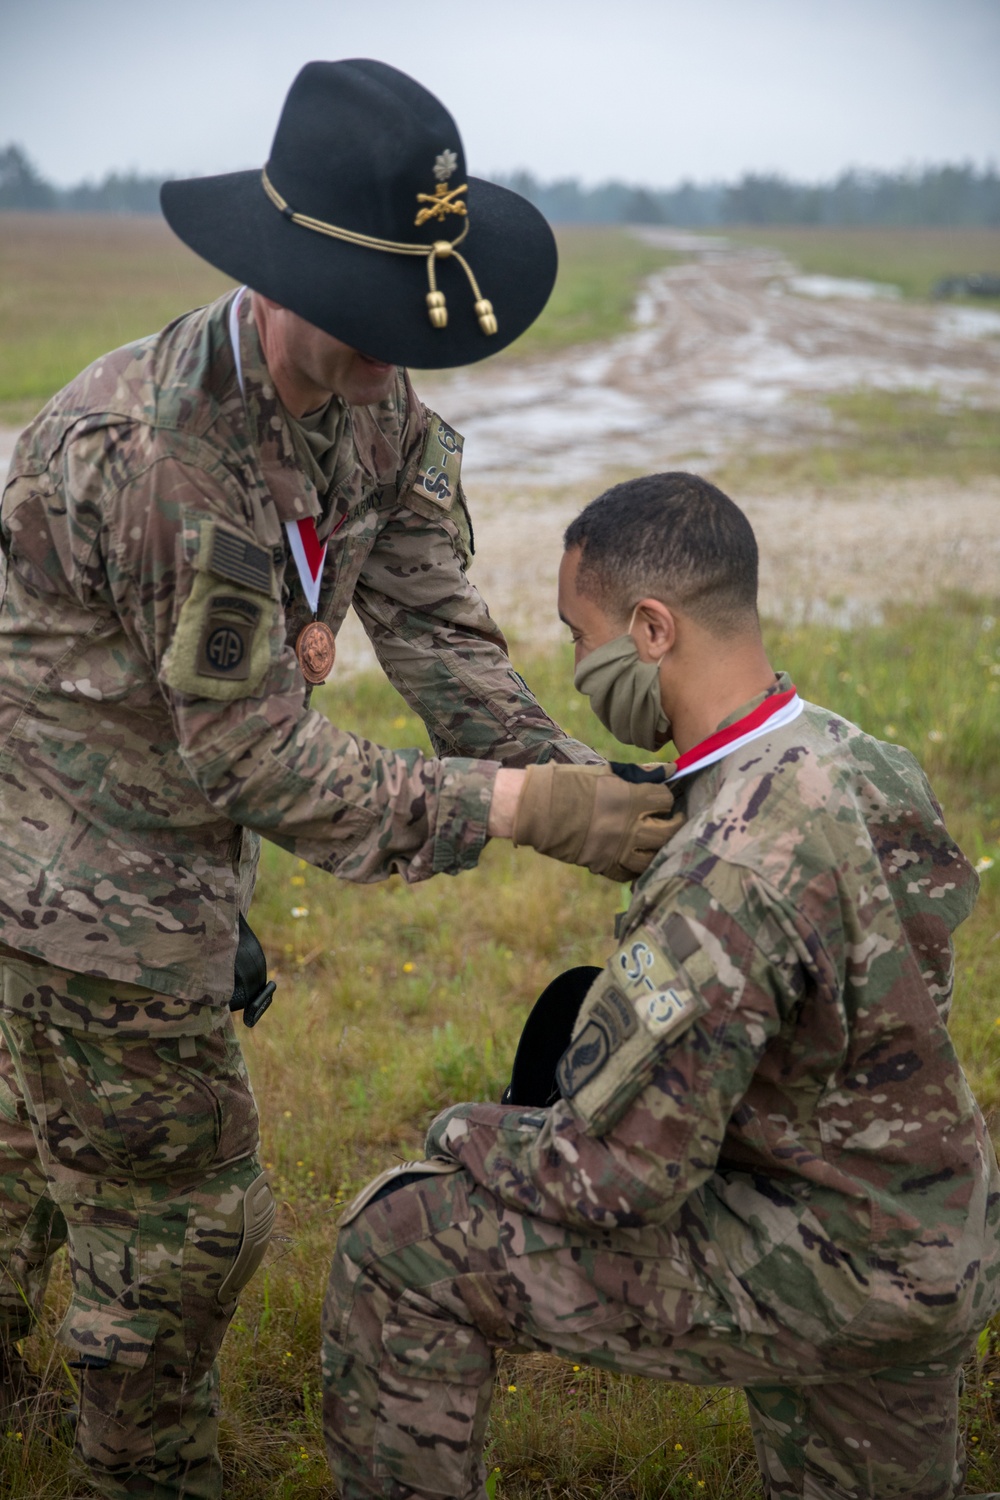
[{"x": 648, "y": 91}]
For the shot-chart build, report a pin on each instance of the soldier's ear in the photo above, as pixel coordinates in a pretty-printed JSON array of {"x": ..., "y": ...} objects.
[{"x": 654, "y": 629}]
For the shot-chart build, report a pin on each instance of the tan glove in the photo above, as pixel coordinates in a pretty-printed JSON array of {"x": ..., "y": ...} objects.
[{"x": 592, "y": 816}]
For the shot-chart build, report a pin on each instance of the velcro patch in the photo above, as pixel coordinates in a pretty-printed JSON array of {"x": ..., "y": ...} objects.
[
  {"x": 660, "y": 997},
  {"x": 234, "y": 557},
  {"x": 615, "y": 1014},
  {"x": 584, "y": 1057},
  {"x": 226, "y": 641},
  {"x": 642, "y": 999},
  {"x": 440, "y": 463},
  {"x": 667, "y": 1010},
  {"x": 640, "y": 965},
  {"x": 611, "y": 1021}
]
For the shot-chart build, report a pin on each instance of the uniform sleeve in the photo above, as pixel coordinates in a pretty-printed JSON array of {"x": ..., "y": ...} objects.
[
  {"x": 197, "y": 594},
  {"x": 441, "y": 649},
  {"x": 429, "y": 626},
  {"x": 666, "y": 1045}
]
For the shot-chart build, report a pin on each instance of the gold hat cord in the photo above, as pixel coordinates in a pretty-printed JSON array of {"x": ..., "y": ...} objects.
[{"x": 437, "y": 309}]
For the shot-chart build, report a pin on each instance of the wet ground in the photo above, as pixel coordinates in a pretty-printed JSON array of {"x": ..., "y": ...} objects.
[{"x": 732, "y": 349}]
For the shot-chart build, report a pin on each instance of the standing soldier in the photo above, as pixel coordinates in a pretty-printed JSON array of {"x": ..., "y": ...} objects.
[
  {"x": 758, "y": 1161},
  {"x": 183, "y": 530}
]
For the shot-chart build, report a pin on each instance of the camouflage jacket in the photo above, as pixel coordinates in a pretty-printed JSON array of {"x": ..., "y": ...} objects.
[
  {"x": 144, "y": 509},
  {"x": 766, "y": 1054}
]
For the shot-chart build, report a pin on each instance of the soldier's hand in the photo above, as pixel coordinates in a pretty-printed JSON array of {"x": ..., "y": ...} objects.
[{"x": 611, "y": 820}]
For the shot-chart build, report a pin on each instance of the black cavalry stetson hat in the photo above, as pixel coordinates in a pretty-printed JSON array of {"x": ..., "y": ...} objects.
[{"x": 365, "y": 223}]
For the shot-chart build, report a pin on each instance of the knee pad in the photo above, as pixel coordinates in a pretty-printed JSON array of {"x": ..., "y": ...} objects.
[
  {"x": 258, "y": 1210},
  {"x": 165, "y": 1272}
]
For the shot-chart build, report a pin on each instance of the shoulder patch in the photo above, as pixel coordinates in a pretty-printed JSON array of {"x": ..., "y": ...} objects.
[
  {"x": 584, "y": 1057},
  {"x": 234, "y": 557},
  {"x": 226, "y": 642},
  {"x": 615, "y": 1014},
  {"x": 440, "y": 463},
  {"x": 642, "y": 999},
  {"x": 652, "y": 982},
  {"x": 222, "y": 642}
]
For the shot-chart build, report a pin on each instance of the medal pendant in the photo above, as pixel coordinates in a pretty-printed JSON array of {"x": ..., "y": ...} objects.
[{"x": 316, "y": 649}]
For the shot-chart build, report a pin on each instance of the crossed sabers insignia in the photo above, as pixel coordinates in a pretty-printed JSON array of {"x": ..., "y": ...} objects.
[{"x": 442, "y": 202}]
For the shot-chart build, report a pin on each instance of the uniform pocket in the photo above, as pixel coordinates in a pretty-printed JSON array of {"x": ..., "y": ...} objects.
[
  {"x": 139, "y": 1113},
  {"x": 445, "y": 1366},
  {"x": 147, "y": 1109},
  {"x": 101, "y": 1334},
  {"x": 112, "y": 1350}
]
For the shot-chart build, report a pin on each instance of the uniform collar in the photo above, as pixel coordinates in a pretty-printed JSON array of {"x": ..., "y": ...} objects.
[
  {"x": 693, "y": 797},
  {"x": 781, "y": 684}
]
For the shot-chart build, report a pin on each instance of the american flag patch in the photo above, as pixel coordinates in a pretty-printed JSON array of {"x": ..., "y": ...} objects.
[{"x": 235, "y": 558}]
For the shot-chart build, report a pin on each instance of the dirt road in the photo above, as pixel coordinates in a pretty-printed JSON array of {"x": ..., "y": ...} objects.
[{"x": 731, "y": 349}]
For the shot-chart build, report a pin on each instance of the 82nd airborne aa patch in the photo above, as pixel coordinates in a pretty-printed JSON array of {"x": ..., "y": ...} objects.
[{"x": 227, "y": 637}]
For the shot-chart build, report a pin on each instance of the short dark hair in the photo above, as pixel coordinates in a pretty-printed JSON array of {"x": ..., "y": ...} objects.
[{"x": 673, "y": 537}]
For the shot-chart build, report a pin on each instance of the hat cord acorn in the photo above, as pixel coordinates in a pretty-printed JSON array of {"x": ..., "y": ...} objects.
[{"x": 437, "y": 310}]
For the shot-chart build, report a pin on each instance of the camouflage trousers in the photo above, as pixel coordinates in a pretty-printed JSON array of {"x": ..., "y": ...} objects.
[
  {"x": 433, "y": 1276},
  {"x": 138, "y": 1153}
]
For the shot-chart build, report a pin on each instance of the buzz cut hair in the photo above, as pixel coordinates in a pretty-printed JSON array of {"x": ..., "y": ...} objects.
[{"x": 672, "y": 537}]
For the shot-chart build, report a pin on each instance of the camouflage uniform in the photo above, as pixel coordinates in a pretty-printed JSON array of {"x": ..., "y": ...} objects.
[
  {"x": 143, "y": 514},
  {"x": 766, "y": 1168}
]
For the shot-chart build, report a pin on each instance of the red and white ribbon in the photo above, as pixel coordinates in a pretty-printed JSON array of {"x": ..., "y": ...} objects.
[
  {"x": 307, "y": 549},
  {"x": 310, "y": 555},
  {"x": 774, "y": 713}
]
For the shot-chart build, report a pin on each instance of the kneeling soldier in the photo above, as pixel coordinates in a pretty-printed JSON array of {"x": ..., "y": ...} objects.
[{"x": 763, "y": 1165}]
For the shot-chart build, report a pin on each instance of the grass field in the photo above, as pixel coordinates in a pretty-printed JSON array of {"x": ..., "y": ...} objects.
[
  {"x": 73, "y": 286},
  {"x": 876, "y": 435},
  {"x": 912, "y": 259},
  {"x": 396, "y": 1001}
]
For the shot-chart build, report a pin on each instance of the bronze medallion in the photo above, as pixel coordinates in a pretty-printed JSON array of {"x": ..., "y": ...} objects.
[{"x": 316, "y": 648}]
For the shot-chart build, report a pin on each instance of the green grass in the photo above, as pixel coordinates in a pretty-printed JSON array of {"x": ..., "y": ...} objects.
[
  {"x": 912, "y": 259},
  {"x": 74, "y": 286},
  {"x": 395, "y": 1001},
  {"x": 878, "y": 434}
]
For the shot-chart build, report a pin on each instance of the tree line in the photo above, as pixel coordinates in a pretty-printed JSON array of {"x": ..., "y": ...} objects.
[
  {"x": 947, "y": 195},
  {"x": 22, "y": 187}
]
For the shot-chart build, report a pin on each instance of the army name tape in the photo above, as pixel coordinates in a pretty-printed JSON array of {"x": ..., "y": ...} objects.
[
  {"x": 773, "y": 713},
  {"x": 437, "y": 205}
]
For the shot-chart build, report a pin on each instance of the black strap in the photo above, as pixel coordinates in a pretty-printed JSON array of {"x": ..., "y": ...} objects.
[
  {"x": 252, "y": 990},
  {"x": 626, "y": 771}
]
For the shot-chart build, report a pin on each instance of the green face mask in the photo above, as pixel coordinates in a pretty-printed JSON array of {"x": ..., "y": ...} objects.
[{"x": 624, "y": 692}]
